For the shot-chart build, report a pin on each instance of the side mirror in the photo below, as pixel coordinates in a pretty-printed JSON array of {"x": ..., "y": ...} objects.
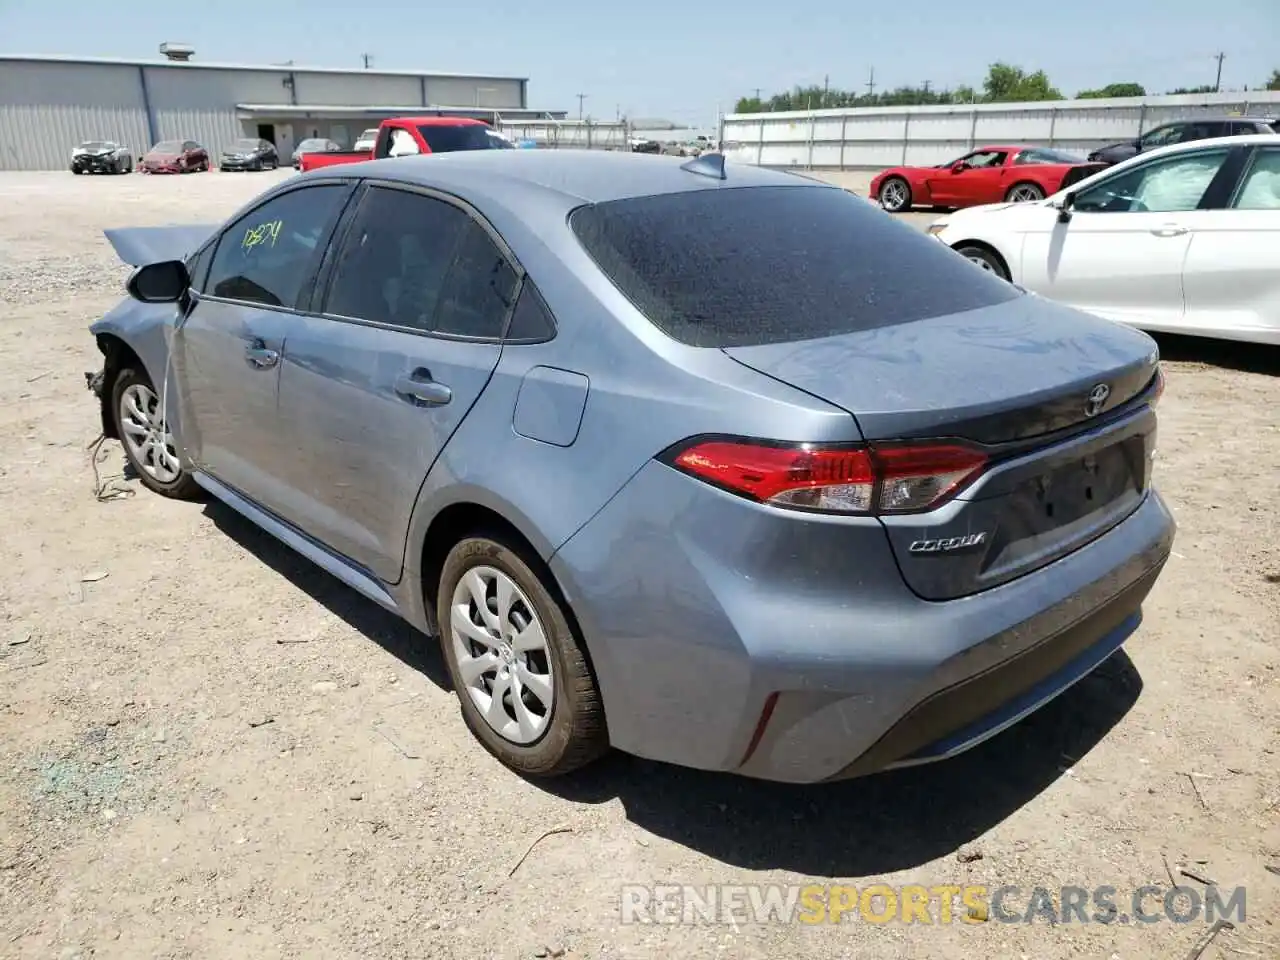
[
  {"x": 164, "y": 282},
  {"x": 960, "y": 167},
  {"x": 1064, "y": 209}
]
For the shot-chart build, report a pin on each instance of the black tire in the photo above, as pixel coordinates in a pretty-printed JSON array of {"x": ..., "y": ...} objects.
[
  {"x": 891, "y": 198},
  {"x": 575, "y": 733},
  {"x": 984, "y": 258},
  {"x": 1028, "y": 192},
  {"x": 183, "y": 487},
  {"x": 77, "y": 171}
]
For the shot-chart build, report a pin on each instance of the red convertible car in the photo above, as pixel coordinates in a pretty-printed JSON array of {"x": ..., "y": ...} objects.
[{"x": 986, "y": 175}]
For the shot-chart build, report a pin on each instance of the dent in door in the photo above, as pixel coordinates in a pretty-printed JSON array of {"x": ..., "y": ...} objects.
[{"x": 550, "y": 404}]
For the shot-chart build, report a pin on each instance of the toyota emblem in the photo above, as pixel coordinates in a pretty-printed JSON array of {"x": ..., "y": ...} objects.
[{"x": 1097, "y": 400}]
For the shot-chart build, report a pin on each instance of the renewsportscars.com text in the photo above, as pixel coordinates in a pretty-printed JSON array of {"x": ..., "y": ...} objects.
[{"x": 943, "y": 904}]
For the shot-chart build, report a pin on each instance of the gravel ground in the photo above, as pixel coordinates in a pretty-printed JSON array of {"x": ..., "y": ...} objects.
[{"x": 211, "y": 749}]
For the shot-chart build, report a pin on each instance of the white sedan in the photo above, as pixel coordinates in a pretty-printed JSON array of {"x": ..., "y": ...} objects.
[{"x": 1184, "y": 239}]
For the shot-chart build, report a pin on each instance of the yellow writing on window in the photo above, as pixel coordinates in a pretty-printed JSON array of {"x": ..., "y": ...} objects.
[{"x": 266, "y": 233}]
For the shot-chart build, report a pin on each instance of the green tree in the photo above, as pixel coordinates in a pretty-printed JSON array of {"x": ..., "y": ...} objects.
[
  {"x": 1206, "y": 88},
  {"x": 1274, "y": 82},
  {"x": 1113, "y": 90},
  {"x": 1006, "y": 83}
]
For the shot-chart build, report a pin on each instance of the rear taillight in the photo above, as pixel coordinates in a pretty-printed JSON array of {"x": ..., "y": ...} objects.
[{"x": 878, "y": 479}]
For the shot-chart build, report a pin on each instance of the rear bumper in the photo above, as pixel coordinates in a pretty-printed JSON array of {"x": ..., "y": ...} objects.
[{"x": 704, "y": 614}]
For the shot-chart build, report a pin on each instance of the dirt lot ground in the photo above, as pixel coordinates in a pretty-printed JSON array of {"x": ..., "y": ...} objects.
[{"x": 209, "y": 748}]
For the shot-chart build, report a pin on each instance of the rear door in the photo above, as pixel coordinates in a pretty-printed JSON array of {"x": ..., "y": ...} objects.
[
  {"x": 1121, "y": 253},
  {"x": 376, "y": 380},
  {"x": 1230, "y": 278},
  {"x": 228, "y": 350}
]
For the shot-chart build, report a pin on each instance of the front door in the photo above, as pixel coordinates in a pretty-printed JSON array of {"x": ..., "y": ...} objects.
[
  {"x": 284, "y": 140},
  {"x": 373, "y": 387},
  {"x": 229, "y": 348},
  {"x": 973, "y": 179},
  {"x": 1121, "y": 253}
]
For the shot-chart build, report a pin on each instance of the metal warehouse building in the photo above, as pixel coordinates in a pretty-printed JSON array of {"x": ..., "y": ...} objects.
[{"x": 48, "y": 104}]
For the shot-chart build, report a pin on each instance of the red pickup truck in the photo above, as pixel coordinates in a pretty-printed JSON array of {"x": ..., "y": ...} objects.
[{"x": 405, "y": 136}]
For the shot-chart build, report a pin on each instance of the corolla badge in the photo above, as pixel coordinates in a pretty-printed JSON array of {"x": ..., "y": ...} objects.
[
  {"x": 947, "y": 544},
  {"x": 1097, "y": 400}
]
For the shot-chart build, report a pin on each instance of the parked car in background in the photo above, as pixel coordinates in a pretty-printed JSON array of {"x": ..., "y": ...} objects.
[
  {"x": 644, "y": 145},
  {"x": 175, "y": 156},
  {"x": 314, "y": 145},
  {"x": 409, "y": 136},
  {"x": 101, "y": 156},
  {"x": 1184, "y": 131},
  {"x": 250, "y": 154},
  {"x": 877, "y": 504},
  {"x": 366, "y": 140},
  {"x": 1184, "y": 239},
  {"x": 989, "y": 174}
]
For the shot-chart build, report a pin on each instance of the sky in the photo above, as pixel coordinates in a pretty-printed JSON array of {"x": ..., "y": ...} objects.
[{"x": 683, "y": 60}]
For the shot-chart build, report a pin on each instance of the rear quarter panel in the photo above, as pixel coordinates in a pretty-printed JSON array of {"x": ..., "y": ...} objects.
[{"x": 548, "y": 491}]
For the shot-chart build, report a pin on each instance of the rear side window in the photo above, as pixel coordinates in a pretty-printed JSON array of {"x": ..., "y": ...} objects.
[{"x": 744, "y": 266}]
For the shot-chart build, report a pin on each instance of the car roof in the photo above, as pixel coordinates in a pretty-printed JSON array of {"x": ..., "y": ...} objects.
[
  {"x": 577, "y": 176},
  {"x": 441, "y": 121},
  {"x": 1216, "y": 118}
]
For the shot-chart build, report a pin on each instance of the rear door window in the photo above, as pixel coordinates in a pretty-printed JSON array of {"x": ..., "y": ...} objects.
[
  {"x": 753, "y": 265},
  {"x": 420, "y": 263}
]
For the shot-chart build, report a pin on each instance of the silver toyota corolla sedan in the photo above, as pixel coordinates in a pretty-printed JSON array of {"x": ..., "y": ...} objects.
[{"x": 712, "y": 464}]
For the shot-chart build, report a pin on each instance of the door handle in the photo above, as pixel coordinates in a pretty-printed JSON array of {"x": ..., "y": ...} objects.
[
  {"x": 419, "y": 389},
  {"x": 261, "y": 356},
  {"x": 1168, "y": 230}
]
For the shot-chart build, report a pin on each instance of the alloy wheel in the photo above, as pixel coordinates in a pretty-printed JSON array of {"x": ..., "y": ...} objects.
[
  {"x": 893, "y": 196},
  {"x": 502, "y": 655},
  {"x": 1024, "y": 194},
  {"x": 147, "y": 435}
]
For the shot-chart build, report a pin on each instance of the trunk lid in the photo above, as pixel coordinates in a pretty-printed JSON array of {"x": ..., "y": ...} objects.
[{"x": 1055, "y": 397}]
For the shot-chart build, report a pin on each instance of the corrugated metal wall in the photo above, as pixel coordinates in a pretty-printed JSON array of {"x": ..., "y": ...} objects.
[
  {"x": 875, "y": 138},
  {"x": 48, "y": 107}
]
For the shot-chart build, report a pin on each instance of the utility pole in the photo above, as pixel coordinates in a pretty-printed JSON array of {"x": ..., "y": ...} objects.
[
  {"x": 926, "y": 85},
  {"x": 368, "y": 60},
  {"x": 826, "y": 88},
  {"x": 871, "y": 83},
  {"x": 581, "y": 97},
  {"x": 1217, "y": 83}
]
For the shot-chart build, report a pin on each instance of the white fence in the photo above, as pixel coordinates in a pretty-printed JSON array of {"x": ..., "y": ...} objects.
[
  {"x": 575, "y": 134},
  {"x": 878, "y": 137}
]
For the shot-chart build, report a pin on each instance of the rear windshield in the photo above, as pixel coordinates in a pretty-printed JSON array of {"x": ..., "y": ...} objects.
[
  {"x": 754, "y": 265},
  {"x": 443, "y": 139},
  {"x": 1043, "y": 155}
]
